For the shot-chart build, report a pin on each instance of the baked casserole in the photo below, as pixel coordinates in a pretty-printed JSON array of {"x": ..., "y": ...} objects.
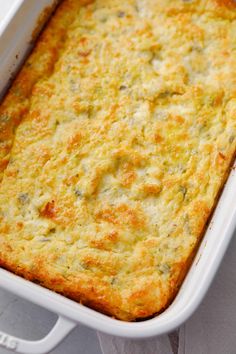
[{"x": 116, "y": 138}]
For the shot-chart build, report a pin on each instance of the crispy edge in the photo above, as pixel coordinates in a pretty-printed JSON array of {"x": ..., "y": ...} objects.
[
  {"x": 86, "y": 290},
  {"x": 16, "y": 103},
  {"x": 182, "y": 269},
  {"x": 97, "y": 294}
]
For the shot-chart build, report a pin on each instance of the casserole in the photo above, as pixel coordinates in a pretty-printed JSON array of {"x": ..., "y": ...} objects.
[{"x": 135, "y": 328}]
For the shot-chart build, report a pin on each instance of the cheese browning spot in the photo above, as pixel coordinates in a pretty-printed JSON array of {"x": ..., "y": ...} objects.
[
  {"x": 49, "y": 210},
  {"x": 226, "y": 3}
]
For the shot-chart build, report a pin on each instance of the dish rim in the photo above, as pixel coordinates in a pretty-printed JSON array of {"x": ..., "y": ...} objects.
[{"x": 201, "y": 272}]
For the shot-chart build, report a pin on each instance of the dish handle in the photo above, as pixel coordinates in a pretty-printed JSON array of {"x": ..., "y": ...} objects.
[{"x": 61, "y": 329}]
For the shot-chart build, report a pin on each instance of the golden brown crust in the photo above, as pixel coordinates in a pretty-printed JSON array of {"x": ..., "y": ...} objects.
[
  {"x": 36, "y": 67},
  {"x": 126, "y": 129}
]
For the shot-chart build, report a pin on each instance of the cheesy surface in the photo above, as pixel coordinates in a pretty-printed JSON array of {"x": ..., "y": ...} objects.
[{"x": 115, "y": 140}]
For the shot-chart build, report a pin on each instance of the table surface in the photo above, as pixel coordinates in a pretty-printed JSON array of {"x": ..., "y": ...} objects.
[{"x": 26, "y": 320}]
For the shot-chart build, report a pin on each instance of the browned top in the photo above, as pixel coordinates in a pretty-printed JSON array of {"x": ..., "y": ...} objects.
[{"x": 115, "y": 140}]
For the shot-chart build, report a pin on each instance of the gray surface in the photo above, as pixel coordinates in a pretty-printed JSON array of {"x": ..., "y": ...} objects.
[{"x": 26, "y": 320}]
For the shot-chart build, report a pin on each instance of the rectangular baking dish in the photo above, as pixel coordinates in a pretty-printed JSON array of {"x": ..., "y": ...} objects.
[{"x": 15, "y": 42}]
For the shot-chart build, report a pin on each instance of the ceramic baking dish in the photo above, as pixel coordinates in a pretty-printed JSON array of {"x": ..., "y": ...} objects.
[{"x": 15, "y": 40}]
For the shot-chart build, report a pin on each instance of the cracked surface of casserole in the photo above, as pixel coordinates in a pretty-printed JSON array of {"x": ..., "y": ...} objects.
[{"x": 115, "y": 140}]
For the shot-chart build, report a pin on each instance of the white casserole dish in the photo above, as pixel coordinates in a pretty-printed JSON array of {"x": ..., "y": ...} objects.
[{"x": 15, "y": 38}]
